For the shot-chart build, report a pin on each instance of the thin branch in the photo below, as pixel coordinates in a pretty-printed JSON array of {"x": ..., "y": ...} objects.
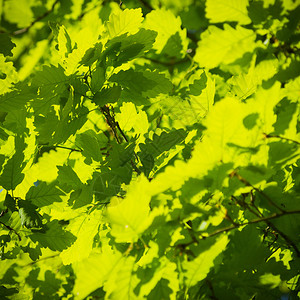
[
  {"x": 121, "y": 131},
  {"x": 125, "y": 137},
  {"x": 11, "y": 229},
  {"x": 243, "y": 180},
  {"x": 3, "y": 212},
  {"x": 209, "y": 284},
  {"x": 261, "y": 219},
  {"x": 67, "y": 148},
  {"x": 59, "y": 146},
  {"x": 48, "y": 12},
  {"x": 281, "y": 137},
  {"x": 255, "y": 221},
  {"x": 110, "y": 119},
  {"x": 41, "y": 259},
  {"x": 285, "y": 237},
  {"x": 167, "y": 63}
]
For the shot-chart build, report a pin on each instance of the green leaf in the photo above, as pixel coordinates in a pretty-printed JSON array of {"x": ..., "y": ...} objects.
[
  {"x": 98, "y": 78},
  {"x": 124, "y": 48},
  {"x": 171, "y": 38},
  {"x": 282, "y": 153},
  {"x": 292, "y": 89},
  {"x": 131, "y": 118},
  {"x": 198, "y": 85},
  {"x": 164, "y": 142},
  {"x": 107, "y": 95},
  {"x": 90, "y": 144},
  {"x": 248, "y": 244},
  {"x": 161, "y": 290},
  {"x": 107, "y": 184},
  {"x": 159, "y": 144},
  {"x": 91, "y": 55},
  {"x": 123, "y": 21},
  {"x": 18, "y": 12},
  {"x": 286, "y": 113},
  {"x": 84, "y": 195},
  {"x": 267, "y": 100},
  {"x": 29, "y": 216},
  {"x": 15, "y": 100},
  {"x": 52, "y": 83},
  {"x": 204, "y": 101},
  {"x": 224, "y": 46},
  {"x": 10, "y": 202},
  {"x": 85, "y": 228},
  {"x": 66, "y": 175},
  {"x": 197, "y": 269},
  {"x": 54, "y": 238},
  {"x": 12, "y": 174},
  {"x": 6, "y": 45},
  {"x": 8, "y": 75},
  {"x": 64, "y": 41},
  {"x": 44, "y": 194},
  {"x": 225, "y": 11},
  {"x": 128, "y": 218},
  {"x": 223, "y": 130},
  {"x": 140, "y": 86},
  {"x": 121, "y": 283},
  {"x": 93, "y": 271}
]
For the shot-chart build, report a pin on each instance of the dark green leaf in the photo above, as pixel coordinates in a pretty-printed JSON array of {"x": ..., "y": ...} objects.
[
  {"x": 44, "y": 194},
  {"x": 6, "y": 45},
  {"x": 55, "y": 238},
  {"x": 29, "y": 216},
  {"x": 107, "y": 95}
]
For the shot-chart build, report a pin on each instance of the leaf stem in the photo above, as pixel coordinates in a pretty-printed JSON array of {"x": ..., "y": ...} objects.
[{"x": 281, "y": 137}]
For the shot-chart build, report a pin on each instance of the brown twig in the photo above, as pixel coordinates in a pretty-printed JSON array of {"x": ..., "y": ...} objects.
[
  {"x": 210, "y": 286},
  {"x": 114, "y": 125}
]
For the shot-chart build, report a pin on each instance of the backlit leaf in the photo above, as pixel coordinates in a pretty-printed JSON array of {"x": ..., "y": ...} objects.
[
  {"x": 224, "y": 11},
  {"x": 223, "y": 46}
]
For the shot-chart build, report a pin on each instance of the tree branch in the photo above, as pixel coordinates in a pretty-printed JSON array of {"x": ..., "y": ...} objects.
[
  {"x": 243, "y": 180},
  {"x": 281, "y": 137},
  {"x": 67, "y": 148},
  {"x": 114, "y": 125},
  {"x": 41, "y": 259},
  {"x": 11, "y": 229},
  {"x": 61, "y": 147},
  {"x": 48, "y": 12},
  {"x": 259, "y": 220},
  {"x": 167, "y": 63}
]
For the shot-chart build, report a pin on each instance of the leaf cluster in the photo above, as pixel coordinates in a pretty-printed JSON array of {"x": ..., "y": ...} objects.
[{"x": 149, "y": 149}]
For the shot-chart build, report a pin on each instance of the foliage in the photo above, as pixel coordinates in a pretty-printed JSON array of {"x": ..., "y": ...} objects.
[{"x": 149, "y": 149}]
